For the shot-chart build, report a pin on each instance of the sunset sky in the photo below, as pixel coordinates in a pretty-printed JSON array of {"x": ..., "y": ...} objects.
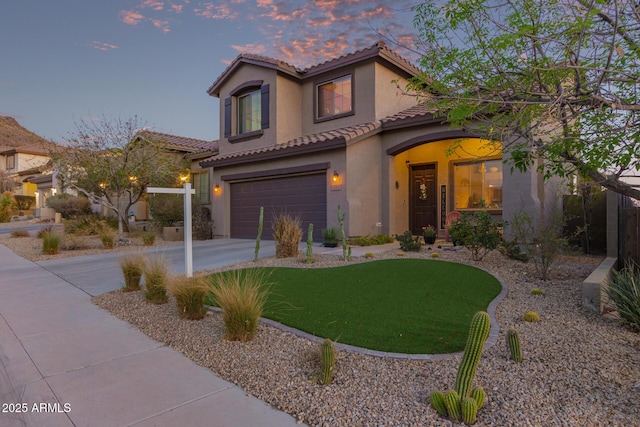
[{"x": 71, "y": 60}]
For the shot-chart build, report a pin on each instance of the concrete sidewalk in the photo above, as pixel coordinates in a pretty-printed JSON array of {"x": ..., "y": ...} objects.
[{"x": 66, "y": 362}]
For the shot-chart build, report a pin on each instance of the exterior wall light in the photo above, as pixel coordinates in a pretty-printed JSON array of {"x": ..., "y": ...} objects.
[
  {"x": 216, "y": 189},
  {"x": 336, "y": 177}
]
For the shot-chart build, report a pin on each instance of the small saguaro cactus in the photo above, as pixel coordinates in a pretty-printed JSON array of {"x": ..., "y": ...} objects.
[
  {"x": 469, "y": 410},
  {"x": 437, "y": 401},
  {"x": 327, "y": 362},
  {"x": 260, "y": 225},
  {"x": 513, "y": 340},
  {"x": 452, "y": 403},
  {"x": 478, "y": 333},
  {"x": 310, "y": 244}
]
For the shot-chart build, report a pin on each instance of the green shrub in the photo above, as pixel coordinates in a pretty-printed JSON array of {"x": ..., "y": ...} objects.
[
  {"x": 166, "y": 209},
  {"x": 330, "y": 234},
  {"x": 155, "y": 281},
  {"x": 241, "y": 294},
  {"x": 537, "y": 291},
  {"x": 44, "y": 231},
  {"x": 108, "y": 239},
  {"x": 409, "y": 243},
  {"x": 190, "y": 295},
  {"x": 69, "y": 206},
  {"x": 511, "y": 249},
  {"x": 287, "y": 232},
  {"x": 50, "y": 243},
  {"x": 132, "y": 267},
  {"x": 21, "y": 232},
  {"x": 379, "y": 239},
  {"x": 86, "y": 225},
  {"x": 148, "y": 237},
  {"x": 478, "y": 232},
  {"x": 624, "y": 292},
  {"x": 369, "y": 255},
  {"x": 24, "y": 203},
  {"x": 7, "y": 202}
]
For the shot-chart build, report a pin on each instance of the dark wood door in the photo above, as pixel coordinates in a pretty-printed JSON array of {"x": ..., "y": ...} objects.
[{"x": 423, "y": 206}]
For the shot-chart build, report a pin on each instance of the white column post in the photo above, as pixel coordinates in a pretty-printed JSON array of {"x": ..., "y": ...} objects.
[{"x": 188, "y": 253}]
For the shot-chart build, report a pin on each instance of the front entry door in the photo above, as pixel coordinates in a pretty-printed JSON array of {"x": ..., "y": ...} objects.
[{"x": 423, "y": 198}]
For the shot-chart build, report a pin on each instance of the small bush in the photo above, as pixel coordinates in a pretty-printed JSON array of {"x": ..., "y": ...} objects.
[
  {"x": 379, "y": 239},
  {"x": 190, "y": 294},
  {"x": 409, "y": 243},
  {"x": 86, "y": 225},
  {"x": 132, "y": 269},
  {"x": 435, "y": 255},
  {"x": 166, "y": 209},
  {"x": 537, "y": 291},
  {"x": 7, "y": 202},
  {"x": 50, "y": 243},
  {"x": 330, "y": 234},
  {"x": 531, "y": 316},
  {"x": 201, "y": 223},
  {"x": 155, "y": 281},
  {"x": 24, "y": 203},
  {"x": 148, "y": 237},
  {"x": 21, "y": 232},
  {"x": 69, "y": 206},
  {"x": 478, "y": 232},
  {"x": 400, "y": 254},
  {"x": 369, "y": 255},
  {"x": 512, "y": 250},
  {"x": 44, "y": 231},
  {"x": 241, "y": 294},
  {"x": 287, "y": 232},
  {"x": 108, "y": 239},
  {"x": 624, "y": 292}
]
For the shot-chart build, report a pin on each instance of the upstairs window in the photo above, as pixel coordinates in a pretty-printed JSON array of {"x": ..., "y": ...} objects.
[
  {"x": 246, "y": 111},
  {"x": 334, "y": 97},
  {"x": 11, "y": 162},
  {"x": 249, "y": 112}
]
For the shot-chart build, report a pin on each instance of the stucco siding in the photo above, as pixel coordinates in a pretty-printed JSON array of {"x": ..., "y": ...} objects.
[{"x": 388, "y": 95}]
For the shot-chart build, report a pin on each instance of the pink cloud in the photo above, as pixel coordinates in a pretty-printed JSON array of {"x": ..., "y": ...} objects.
[
  {"x": 256, "y": 49},
  {"x": 152, "y": 4},
  {"x": 130, "y": 17},
  {"x": 213, "y": 11},
  {"x": 177, "y": 8},
  {"x": 103, "y": 46},
  {"x": 163, "y": 25}
]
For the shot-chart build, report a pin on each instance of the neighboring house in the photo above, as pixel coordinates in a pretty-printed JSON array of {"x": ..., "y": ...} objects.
[
  {"x": 27, "y": 166},
  {"x": 193, "y": 151},
  {"x": 341, "y": 133}
]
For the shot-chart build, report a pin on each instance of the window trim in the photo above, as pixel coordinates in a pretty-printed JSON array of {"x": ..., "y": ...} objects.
[
  {"x": 231, "y": 113},
  {"x": 454, "y": 187},
  {"x": 316, "y": 100}
]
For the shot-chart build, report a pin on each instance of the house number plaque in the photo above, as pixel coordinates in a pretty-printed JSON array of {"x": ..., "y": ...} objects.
[{"x": 443, "y": 206}]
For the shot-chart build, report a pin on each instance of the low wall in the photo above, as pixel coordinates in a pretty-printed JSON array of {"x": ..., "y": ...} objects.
[
  {"x": 593, "y": 294},
  {"x": 173, "y": 234}
]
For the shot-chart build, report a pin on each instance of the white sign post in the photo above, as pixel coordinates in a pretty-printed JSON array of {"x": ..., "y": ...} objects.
[{"x": 187, "y": 191}]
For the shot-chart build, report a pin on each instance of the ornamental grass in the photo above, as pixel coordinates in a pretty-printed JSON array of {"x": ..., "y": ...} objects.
[
  {"x": 155, "y": 275},
  {"x": 190, "y": 294},
  {"x": 132, "y": 267},
  {"x": 241, "y": 295}
]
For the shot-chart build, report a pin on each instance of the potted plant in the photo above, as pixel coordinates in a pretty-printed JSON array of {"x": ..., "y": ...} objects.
[
  {"x": 430, "y": 235},
  {"x": 330, "y": 236}
]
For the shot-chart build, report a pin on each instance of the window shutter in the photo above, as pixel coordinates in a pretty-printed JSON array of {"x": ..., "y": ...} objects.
[
  {"x": 227, "y": 117},
  {"x": 264, "y": 106}
]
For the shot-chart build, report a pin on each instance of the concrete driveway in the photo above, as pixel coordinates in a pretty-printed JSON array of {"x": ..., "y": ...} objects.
[{"x": 97, "y": 274}]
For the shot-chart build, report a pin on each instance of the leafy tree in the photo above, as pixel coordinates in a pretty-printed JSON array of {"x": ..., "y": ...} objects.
[
  {"x": 105, "y": 161},
  {"x": 553, "y": 80}
]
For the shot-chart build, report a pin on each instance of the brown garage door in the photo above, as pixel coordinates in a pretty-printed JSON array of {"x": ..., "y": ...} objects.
[{"x": 304, "y": 195}]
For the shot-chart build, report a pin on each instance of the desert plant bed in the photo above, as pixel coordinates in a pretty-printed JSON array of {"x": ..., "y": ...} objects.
[{"x": 411, "y": 306}]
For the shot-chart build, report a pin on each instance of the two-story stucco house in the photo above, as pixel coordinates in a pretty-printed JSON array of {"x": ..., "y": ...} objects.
[{"x": 341, "y": 133}]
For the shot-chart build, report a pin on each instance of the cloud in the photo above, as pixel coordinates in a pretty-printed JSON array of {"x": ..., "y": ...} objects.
[
  {"x": 152, "y": 4},
  {"x": 256, "y": 49},
  {"x": 103, "y": 46},
  {"x": 130, "y": 17},
  {"x": 214, "y": 11},
  {"x": 163, "y": 25}
]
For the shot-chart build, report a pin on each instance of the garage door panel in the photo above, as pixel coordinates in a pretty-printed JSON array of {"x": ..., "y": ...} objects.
[{"x": 298, "y": 195}]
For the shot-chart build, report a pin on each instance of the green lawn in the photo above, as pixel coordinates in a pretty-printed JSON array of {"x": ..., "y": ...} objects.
[{"x": 399, "y": 305}]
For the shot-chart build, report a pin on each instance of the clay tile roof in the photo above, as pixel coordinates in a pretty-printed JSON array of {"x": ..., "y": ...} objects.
[
  {"x": 416, "y": 112},
  {"x": 250, "y": 58},
  {"x": 36, "y": 149},
  {"x": 180, "y": 143},
  {"x": 314, "y": 142},
  {"x": 378, "y": 49}
]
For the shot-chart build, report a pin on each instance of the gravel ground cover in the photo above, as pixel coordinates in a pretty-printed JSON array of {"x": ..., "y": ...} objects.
[{"x": 579, "y": 368}]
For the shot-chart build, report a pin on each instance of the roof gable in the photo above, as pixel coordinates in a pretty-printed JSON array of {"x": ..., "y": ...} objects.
[{"x": 179, "y": 143}]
